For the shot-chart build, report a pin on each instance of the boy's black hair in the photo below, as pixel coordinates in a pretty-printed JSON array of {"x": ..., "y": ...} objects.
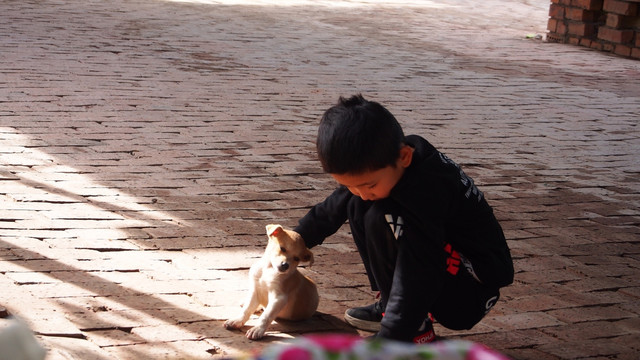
[{"x": 357, "y": 135}]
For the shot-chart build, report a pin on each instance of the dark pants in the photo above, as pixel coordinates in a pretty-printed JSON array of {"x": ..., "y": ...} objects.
[{"x": 460, "y": 304}]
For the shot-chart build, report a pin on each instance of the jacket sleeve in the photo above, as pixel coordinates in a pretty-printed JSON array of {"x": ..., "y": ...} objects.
[{"x": 325, "y": 218}]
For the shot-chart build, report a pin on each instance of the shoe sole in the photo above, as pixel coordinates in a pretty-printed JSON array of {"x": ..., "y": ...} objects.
[{"x": 372, "y": 326}]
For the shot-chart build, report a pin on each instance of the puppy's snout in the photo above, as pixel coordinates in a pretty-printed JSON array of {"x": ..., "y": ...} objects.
[{"x": 284, "y": 266}]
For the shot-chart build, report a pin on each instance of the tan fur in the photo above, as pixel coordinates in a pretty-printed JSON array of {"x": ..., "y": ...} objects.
[{"x": 285, "y": 294}]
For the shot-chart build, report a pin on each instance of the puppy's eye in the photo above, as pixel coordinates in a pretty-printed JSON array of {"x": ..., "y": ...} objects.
[
  {"x": 282, "y": 249},
  {"x": 296, "y": 258}
]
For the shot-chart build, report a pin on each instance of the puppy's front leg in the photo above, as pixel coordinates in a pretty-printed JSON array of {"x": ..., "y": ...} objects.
[
  {"x": 249, "y": 306},
  {"x": 275, "y": 305}
]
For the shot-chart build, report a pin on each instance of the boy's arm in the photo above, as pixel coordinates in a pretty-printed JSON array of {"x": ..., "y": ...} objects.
[{"x": 325, "y": 218}]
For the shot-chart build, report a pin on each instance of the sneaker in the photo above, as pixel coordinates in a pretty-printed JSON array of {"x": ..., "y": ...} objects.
[
  {"x": 425, "y": 333},
  {"x": 366, "y": 317}
]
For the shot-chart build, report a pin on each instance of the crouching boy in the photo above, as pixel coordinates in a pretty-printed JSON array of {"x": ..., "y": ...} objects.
[{"x": 430, "y": 243}]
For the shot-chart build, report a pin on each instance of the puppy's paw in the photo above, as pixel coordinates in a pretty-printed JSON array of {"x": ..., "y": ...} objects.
[
  {"x": 256, "y": 333},
  {"x": 233, "y": 324}
]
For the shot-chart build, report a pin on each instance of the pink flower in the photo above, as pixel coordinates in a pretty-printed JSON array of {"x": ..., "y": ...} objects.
[
  {"x": 295, "y": 353},
  {"x": 335, "y": 343},
  {"x": 481, "y": 352}
]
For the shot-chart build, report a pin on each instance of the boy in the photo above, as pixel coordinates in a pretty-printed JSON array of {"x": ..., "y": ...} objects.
[{"x": 428, "y": 239}]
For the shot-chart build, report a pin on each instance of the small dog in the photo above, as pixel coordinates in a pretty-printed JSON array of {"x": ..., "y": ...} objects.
[{"x": 277, "y": 285}]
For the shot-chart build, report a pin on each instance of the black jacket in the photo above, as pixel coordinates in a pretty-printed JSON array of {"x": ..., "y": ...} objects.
[{"x": 445, "y": 207}]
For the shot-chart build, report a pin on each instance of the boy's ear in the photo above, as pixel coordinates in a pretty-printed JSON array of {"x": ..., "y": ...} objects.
[
  {"x": 274, "y": 229},
  {"x": 406, "y": 155}
]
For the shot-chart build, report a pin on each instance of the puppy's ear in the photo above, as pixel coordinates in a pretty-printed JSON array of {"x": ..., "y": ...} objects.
[
  {"x": 274, "y": 229},
  {"x": 308, "y": 257}
]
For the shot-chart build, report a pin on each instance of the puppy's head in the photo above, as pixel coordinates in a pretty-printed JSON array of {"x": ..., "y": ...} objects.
[{"x": 286, "y": 249}]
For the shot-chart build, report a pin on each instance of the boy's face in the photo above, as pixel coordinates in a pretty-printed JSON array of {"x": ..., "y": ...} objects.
[{"x": 376, "y": 184}]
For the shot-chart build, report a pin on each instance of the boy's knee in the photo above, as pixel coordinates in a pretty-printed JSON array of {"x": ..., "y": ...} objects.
[
  {"x": 465, "y": 311},
  {"x": 458, "y": 320}
]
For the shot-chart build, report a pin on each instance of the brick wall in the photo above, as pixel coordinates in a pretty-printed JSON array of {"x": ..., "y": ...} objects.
[{"x": 607, "y": 25}]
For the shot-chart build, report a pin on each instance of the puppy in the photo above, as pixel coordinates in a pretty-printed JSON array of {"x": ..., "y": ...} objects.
[{"x": 277, "y": 285}]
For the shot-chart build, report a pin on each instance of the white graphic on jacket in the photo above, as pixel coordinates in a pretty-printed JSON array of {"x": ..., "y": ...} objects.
[
  {"x": 466, "y": 180},
  {"x": 395, "y": 224}
]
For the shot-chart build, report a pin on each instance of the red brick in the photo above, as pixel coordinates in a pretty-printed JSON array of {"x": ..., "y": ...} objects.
[
  {"x": 619, "y": 21},
  {"x": 561, "y": 28},
  {"x": 552, "y": 24},
  {"x": 556, "y": 11},
  {"x": 635, "y": 53},
  {"x": 621, "y": 7},
  {"x": 585, "y": 42},
  {"x": 555, "y": 38},
  {"x": 588, "y": 4},
  {"x": 623, "y": 50},
  {"x": 582, "y": 29},
  {"x": 579, "y": 14},
  {"x": 615, "y": 35}
]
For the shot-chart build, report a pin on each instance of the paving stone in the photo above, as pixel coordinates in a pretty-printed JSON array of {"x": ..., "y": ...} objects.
[
  {"x": 583, "y": 314},
  {"x": 579, "y": 350},
  {"x": 523, "y": 320},
  {"x": 62, "y": 348},
  {"x": 114, "y": 337},
  {"x": 172, "y": 350}
]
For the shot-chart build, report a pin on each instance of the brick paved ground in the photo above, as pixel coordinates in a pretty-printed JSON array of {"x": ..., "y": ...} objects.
[{"x": 145, "y": 144}]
